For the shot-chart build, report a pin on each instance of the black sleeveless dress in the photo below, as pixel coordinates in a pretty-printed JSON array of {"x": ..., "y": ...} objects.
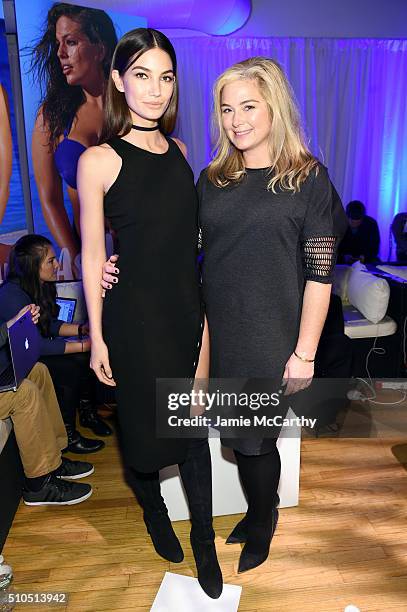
[{"x": 152, "y": 319}]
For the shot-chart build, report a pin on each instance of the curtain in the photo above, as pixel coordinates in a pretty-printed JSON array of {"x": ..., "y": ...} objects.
[{"x": 352, "y": 96}]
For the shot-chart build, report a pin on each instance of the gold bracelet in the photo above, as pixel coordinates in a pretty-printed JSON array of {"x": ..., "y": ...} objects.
[{"x": 303, "y": 358}]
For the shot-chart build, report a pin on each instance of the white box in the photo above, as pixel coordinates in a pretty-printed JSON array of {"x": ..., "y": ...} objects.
[
  {"x": 228, "y": 496},
  {"x": 179, "y": 593}
]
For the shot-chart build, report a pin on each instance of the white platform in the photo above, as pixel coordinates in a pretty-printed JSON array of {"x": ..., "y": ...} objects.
[
  {"x": 228, "y": 496},
  {"x": 179, "y": 593}
]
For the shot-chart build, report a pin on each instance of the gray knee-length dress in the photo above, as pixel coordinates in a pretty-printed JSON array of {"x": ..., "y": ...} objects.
[{"x": 259, "y": 249}]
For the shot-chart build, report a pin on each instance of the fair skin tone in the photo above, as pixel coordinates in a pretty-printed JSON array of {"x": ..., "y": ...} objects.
[
  {"x": 6, "y": 152},
  {"x": 81, "y": 63},
  {"x": 147, "y": 85},
  {"x": 247, "y": 123},
  {"x": 48, "y": 273},
  {"x": 35, "y": 314}
]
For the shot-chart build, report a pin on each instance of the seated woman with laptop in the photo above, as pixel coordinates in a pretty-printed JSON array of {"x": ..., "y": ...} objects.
[
  {"x": 31, "y": 275},
  {"x": 32, "y": 405}
]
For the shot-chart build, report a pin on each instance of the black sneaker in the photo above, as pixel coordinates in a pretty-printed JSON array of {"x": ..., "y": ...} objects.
[
  {"x": 71, "y": 470},
  {"x": 57, "y": 492}
]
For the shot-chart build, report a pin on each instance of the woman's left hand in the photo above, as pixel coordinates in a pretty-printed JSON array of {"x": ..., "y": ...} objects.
[
  {"x": 35, "y": 313},
  {"x": 297, "y": 375}
]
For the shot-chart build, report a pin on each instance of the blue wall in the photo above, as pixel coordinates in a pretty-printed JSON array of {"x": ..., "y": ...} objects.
[
  {"x": 30, "y": 19},
  {"x": 14, "y": 218}
]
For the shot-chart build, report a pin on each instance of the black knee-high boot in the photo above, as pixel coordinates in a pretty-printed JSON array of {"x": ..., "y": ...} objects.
[
  {"x": 148, "y": 492},
  {"x": 260, "y": 475},
  {"x": 238, "y": 535},
  {"x": 196, "y": 474}
]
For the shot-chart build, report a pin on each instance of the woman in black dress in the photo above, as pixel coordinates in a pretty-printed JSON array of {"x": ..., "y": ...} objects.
[
  {"x": 269, "y": 242},
  {"x": 271, "y": 221},
  {"x": 152, "y": 320}
]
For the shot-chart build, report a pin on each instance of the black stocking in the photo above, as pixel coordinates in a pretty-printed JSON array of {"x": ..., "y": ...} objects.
[{"x": 260, "y": 475}]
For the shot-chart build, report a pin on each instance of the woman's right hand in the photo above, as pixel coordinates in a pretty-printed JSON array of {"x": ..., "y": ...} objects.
[
  {"x": 109, "y": 268},
  {"x": 99, "y": 362}
]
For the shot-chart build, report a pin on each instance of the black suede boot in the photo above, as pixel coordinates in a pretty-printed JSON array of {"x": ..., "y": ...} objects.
[
  {"x": 148, "y": 492},
  {"x": 196, "y": 474},
  {"x": 257, "y": 546},
  {"x": 239, "y": 533},
  {"x": 258, "y": 473}
]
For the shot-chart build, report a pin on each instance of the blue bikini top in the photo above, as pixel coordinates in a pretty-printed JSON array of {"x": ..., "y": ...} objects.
[{"x": 66, "y": 157}]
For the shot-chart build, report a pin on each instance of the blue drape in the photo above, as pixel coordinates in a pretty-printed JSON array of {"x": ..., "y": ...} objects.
[{"x": 352, "y": 95}]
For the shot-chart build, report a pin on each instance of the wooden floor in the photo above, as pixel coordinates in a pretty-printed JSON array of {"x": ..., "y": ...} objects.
[{"x": 346, "y": 543}]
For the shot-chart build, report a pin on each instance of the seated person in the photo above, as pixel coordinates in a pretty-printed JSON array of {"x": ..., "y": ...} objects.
[
  {"x": 32, "y": 270},
  {"x": 362, "y": 239},
  {"x": 399, "y": 231},
  {"x": 41, "y": 435}
]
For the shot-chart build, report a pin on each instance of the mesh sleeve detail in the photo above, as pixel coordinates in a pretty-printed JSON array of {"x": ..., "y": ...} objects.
[{"x": 319, "y": 257}]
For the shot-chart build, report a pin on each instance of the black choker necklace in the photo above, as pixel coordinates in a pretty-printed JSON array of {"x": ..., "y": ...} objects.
[{"x": 144, "y": 129}]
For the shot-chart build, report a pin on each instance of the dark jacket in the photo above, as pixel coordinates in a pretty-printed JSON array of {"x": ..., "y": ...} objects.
[
  {"x": 364, "y": 240},
  {"x": 3, "y": 335},
  {"x": 4, "y": 354}
]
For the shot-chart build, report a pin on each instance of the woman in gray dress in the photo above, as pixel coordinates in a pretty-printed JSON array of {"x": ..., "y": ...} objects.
[
  {"x": 269, "y": 249},
  {"x": 269, "y": 242}
]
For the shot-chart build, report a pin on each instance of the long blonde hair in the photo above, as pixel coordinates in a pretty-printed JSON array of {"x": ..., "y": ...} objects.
[{"x": 291, "y": 160}]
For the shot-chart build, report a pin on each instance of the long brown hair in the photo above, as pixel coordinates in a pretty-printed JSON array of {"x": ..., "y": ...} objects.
[
  {"x": 291, "y": 159},
  {"x": 25, "y": 260},
  {"x": 117, "y": 117},
  {"x": 59, "y": 100}
]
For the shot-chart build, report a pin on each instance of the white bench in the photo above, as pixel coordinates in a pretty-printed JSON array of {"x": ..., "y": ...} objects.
[
  {"x": 228, "y": 496},
  {"x": 357, "y": 326}
]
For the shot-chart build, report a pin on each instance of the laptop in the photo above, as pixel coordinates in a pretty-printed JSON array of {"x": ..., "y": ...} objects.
[
  {"x": 24, "y": 350},
  {"x": 67, "y": 308}
]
